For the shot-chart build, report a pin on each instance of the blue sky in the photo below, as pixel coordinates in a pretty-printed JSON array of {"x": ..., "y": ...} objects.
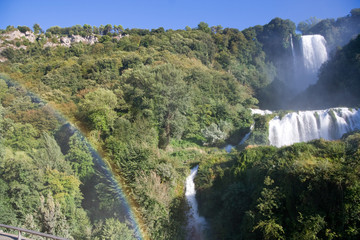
[{"x": 174, "y": 14}]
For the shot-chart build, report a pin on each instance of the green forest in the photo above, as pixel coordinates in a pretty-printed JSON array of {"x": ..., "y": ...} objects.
[{"x": 153, "y": 104}]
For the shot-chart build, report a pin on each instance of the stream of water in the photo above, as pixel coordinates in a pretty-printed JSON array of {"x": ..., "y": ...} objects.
[{"x": 196, "y": 223}]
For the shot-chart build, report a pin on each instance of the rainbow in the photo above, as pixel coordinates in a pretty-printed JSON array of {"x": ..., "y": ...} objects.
[{"x": 124, "y": 210}]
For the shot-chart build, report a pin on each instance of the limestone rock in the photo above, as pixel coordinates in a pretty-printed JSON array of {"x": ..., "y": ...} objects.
[
  {"x": 67, "y": 41},
  {"x": 16, "y": 34}
]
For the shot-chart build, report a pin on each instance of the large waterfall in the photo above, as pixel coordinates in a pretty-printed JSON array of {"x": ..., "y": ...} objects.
[
  {"x": 314, "y": 52},
  {"x": 304, "y": 126},
  {"x": 307, "y": 63}
]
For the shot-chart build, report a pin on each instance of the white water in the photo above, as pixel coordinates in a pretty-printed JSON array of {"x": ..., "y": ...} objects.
[
  {"x": 196, "y": 224},
  {"x": 304, "y": 126},
  {"x": 229, "y": 147},
  {"x": 293, "y": 51},
  {"x": 314, "y": 52},
  {"x": 260, "y": 112},
  {"x": 246, "y": 137},
  {"x": 308, "y": 62}
]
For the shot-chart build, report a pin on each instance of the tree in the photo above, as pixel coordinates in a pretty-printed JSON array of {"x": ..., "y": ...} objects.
[
  {"x": 215, "y": 133},
  {"x": 3, "y": 90},
  {"x": 51, "y": 218},
  {"x": 268, "y": 203},
  {"x": 216, "y": 29},
  {"x": 118, "y": 29},
  {"x": 80, "y": 157},
  {"x": 24, "y": 29},
  {"x": 98, "y": 108},
  {"x": 50, "y": 155},
  {"x": 7, "y": 215},
  {"x": 37, "y": 29},
  {"x": 115, "y": 230},
  {"x": 9, "y": 28},
  {"x": 87, "y": 29},
  {"x": 202, "y": 26},
  {"x": 101, "y": 29},
  {"x": 307, "y": 24},
  {"x": 96, "y": 30},
  {"x": 107, "y": 29},
  {"x": 171, "y": 101}
]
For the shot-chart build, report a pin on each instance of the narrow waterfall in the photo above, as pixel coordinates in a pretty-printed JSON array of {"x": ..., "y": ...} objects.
[
  {"x": 196, "y": 224},
  {"x": 246, "y": 137},
  {"x": 229, "y": 147},
  {"x": 293, "y": 51},
  {"x": 303, "y": 126}
]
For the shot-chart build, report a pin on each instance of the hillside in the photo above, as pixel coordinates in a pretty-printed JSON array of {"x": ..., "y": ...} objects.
[{"x": 154, "y": 103}]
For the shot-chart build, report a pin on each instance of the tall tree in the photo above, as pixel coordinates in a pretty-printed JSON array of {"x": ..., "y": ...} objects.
[
  {"x": 80, "y": 157},
  {"x": 107, "y": 29},
  {"x": 37, "y": 29},
  {"x": 171, "y": 100}
]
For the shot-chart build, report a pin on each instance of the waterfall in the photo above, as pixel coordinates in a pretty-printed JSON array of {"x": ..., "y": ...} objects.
[
  {"x": 260, "y": 112},
  {"x": 293, "y": 51},
  {"x": 308, "y": 62},
  {"x": 303, "y": 126},
  {"x": 229, "y": 147},
  {"x": 196, "y": 224},
  {"x": 314, "y": 52},
  {"x": 246, "y": 137}
]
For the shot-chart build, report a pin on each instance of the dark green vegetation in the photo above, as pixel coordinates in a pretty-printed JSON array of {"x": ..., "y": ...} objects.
[
  {"x": 148, "y": 101},
  {"x": 152, "y": 101},
  {"x": 336, "y": 32},
  {"x": 304, "y": 191},
  {"x": 41, "y": 184}
]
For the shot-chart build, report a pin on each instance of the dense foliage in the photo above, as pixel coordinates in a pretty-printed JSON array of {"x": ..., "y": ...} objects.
[
  {"x": 152, "y": 101},
  {"x": 304, "y": 191},
  {"x": 41, "y": 185},
  {"x": 147, "y": 101},
  {"x": 336, "y": 32}
]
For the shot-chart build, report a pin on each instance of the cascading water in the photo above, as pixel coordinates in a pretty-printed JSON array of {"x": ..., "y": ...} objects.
[
  {"x": 229, "y": 147},
  {"x": 304, "y": 126},
  {"x": 314, "y": 52},
  {"x": 196, "y": 224},
  {"x": 293, "y": 50},
  {"x": 260, "y": 112},
  {"x": 307, "y": 63}
]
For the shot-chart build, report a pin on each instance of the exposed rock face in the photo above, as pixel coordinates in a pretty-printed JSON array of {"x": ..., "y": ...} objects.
[
  {"x": 118, "y": 37},
  {"x": 50, "y": 44},
  {"x": 30, "y": 36},
  {"x": 16, "y": 34},
  {"x": 67, "y": 41}
]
